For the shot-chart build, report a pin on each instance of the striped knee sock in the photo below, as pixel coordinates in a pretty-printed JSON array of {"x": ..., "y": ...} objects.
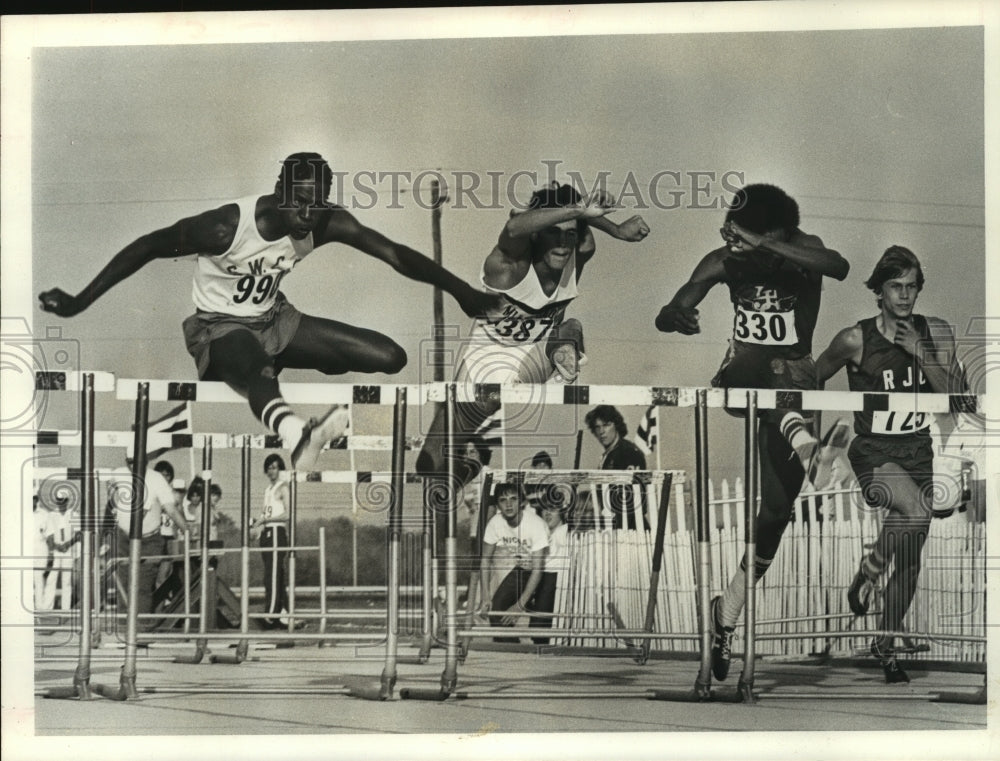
[
  {"x": 735, "y": 597},
  {"x": 278, "y": 417}
]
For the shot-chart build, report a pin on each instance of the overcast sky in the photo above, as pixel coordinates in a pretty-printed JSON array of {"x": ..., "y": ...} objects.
[{"x": 878, "y": 133}]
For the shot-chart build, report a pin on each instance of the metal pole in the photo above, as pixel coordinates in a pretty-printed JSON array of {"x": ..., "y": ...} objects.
[
  {"x": 81, "y": 679},
  {"x": 322, "y": 582},
  {"x": 450, "y": 675},
  {"x": 243, "y": 646},
  {"x": 750, "y": 478},
  {"x": 702, "y": 685},
  {"x": 187, "y": 582},
  {"x": 654, "y": 576},
  {"x": 206, "y": 587},
  {"x": 293, "y": 509},
  {"x": 437, "y": 200},
  {"x": 128, "y": 674},
  {"x": 427, "y": 571},
  {"x": 395, "y": 532}
]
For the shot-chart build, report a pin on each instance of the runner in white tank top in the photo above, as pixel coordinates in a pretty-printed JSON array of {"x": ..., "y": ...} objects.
[
  {"x": 245, "y": 331},
  {"x": 534, "y": 267}
]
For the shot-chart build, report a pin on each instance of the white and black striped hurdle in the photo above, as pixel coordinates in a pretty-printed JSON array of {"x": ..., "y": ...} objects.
[{"x": 702, "y": 398}]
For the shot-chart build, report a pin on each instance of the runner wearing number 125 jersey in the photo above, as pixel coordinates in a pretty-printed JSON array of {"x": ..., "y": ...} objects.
[
  {"x": 774, "y": 272},
  {"x": 245, "y": 331},
  {"x": 892, "y": 455}
]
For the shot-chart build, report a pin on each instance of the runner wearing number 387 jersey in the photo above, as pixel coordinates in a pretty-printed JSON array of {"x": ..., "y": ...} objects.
[
  {"x": 244, "y": 330},
  {"x": 774, "y": 273}
]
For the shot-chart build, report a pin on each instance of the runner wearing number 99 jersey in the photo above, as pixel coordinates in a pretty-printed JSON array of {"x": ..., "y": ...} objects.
[
  {"x": 245, "y": 331},
  {"x": 896, "y": 351},
  {"x": 774, "y": 274}
]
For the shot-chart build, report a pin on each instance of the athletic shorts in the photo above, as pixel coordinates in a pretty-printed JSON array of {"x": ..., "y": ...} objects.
[
  {"x": 749, "y": 367},
  {"x": 914, "y": 454},
  {"x": 483, "y": 360},
  {"x": 273, "y": 330}
]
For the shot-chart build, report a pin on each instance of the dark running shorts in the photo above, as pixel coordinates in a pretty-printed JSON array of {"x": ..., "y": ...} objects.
[
  {"x": 750, "y": 367},
  {"x": 274, "y": 330},
  {"x": 914, "y": 454}
]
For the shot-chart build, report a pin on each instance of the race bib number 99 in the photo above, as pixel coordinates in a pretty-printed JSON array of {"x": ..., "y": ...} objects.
[
  {"x": 898, "y": 423},
  {"x": 766, "y": 328}
]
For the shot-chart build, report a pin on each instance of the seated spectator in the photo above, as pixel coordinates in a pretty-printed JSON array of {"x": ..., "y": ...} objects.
[
  {"x": 514, "y": 546},
  {"x": 557, "y": 559}
]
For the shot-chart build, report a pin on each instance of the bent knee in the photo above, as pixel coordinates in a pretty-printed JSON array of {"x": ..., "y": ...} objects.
[{"x": 393, "y": 358}]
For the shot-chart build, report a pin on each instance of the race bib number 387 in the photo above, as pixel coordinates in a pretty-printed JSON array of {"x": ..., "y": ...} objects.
[{"x": 766, "y": 328}]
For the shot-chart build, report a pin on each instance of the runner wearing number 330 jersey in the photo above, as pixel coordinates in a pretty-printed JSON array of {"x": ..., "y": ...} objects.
[{"x": 774, "y": 273}]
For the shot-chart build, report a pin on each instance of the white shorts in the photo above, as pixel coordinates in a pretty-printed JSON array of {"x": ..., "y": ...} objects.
[{"x": 483, "y": 360}]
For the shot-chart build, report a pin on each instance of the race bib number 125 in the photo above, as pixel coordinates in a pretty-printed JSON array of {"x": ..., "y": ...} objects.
[{"x": 898, "y": 422}]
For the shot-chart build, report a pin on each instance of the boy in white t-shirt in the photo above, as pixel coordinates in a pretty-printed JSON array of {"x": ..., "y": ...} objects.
[{"x": 514, "y": 547}]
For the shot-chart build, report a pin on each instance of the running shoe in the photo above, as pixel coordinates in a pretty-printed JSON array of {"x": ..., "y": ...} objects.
[
  {"x": 316, "y": 434},
  {"x": 722, "y": 643},
  {"x": 887, "y": 659},
  {"x": 861, "y": 591}
]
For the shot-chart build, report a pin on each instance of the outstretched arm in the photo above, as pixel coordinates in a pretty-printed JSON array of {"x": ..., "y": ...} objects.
[
  {"x": 632, "y": 230},
  {"x": 593, "y": 208},
  {"x": 209, "y": 233},
  {"x": 680, "y": 315},
  {"x": 803, "y": 249},
  {"x": 341, "y": 227}
]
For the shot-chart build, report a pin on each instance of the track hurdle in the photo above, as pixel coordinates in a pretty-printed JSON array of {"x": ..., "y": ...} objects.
[{"x": 81, "y": 688}]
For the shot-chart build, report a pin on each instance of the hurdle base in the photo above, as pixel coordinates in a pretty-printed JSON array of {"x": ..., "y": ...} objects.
[
  {"x": 745, "y": 690},
  {"x": 201, "y": 650},
  {"x": 238, "y": 656},
  {"x": 977, "y": 698},
  {"x": 79, "y": 690},
  {"x": 409, "y": 693}
]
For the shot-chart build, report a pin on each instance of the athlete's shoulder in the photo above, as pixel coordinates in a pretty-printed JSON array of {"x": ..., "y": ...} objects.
[
  {"x": 211, "y": 232},
  {"x": 712, "y": 267}
]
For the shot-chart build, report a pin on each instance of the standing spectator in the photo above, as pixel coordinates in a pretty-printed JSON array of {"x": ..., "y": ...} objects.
[
  {"x": 514, "y": 545},
  {"x": 42, "y": 550},
  {"x": 63, "y": 536},
  {"x": 477, "y": 455},
  {"x": 274, "y": 542},
  {"x": 609, "y": 428},
  {"x": 557, "y": 559},
  {"x": 158, "y": 497}
]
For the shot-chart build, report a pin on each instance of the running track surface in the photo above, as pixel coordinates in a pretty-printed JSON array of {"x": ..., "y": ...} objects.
[{"x": 601, "y": 689}]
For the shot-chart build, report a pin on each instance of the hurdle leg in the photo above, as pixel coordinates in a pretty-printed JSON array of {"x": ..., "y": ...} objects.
[
  {"x": 745, "y": 684},
  {"x": 428, "y": 575},
  {"x": 654, "y": 575},
  {"x": 450, "y": 675},
  {"x": 388, "y": 681},
  {"x": 81, "y": 689}
]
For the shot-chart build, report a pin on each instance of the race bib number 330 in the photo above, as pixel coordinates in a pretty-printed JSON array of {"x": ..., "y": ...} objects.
[{"x": 766, "y": 328}]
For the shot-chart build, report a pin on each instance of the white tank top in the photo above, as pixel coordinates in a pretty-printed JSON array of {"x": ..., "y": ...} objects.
[
  {"x": 527, "y": 314},
  {"x": 274, "y": 508},
  {"x": 244, "y": 280}
]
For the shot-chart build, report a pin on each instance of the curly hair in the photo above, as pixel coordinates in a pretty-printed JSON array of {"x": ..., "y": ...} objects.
[
  {"x": 271, "y": 459},
  {"x": 764, "y": 209},
  {"x": 609, "y": 414}
]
